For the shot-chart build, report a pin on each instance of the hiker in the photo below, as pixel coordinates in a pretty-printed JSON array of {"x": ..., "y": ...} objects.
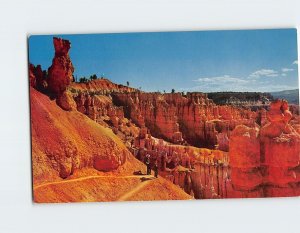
[
  {"x": 155, "y": 168},
  {"x": 148, "y": 164}
]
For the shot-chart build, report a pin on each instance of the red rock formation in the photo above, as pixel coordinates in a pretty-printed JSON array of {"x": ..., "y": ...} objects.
[
  {"x": 222, "y": 141},
  {"x": 66, "y": 101},
  {"x": 65, "y": 141},
  {"x": 98, "y": 107},
  {"x": 194, "y": 117},
  {"x": 244, "y": 153},
  {"x": 270, "y": 161},
  {"x": 60, "y": 73},
  {"x": 173, "y": 117},
  {"x": 101, "y": 109},
  {"x": 199, "y": 119},
  {"x": 180, "y": 164},
  {"x": 37, "y": 78},
  {"x": 68, "y": 144},
  {"x": 281, "y": 152},
  {"x": 32, "y": 78}
]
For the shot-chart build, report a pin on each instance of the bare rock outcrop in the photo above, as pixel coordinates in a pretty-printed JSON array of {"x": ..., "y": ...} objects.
[
  {"x": 37, "y": 77},
  {"x": 60, "y": 73},
  {"x": 245, "y": 161},
  {"x": 63, "y": 141},
  {"x": 99, "y": 107},
  {"x": 267, "y": 161},
  {"x": 66, "y": 101},
  {"x": 281, "y": 152}
]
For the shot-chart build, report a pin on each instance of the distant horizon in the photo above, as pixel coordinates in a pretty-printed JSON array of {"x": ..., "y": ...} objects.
[
  {"x": 195, "y": 61},
  {"x": 169, "y": 91}
]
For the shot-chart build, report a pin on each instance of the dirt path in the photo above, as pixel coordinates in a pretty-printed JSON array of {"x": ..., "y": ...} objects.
[
  {"x": 91, "y": 177},
  {"x": 135, "y": 190}
]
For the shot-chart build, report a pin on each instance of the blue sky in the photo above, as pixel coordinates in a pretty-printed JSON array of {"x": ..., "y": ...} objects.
[{"x": 207, "y": 61}]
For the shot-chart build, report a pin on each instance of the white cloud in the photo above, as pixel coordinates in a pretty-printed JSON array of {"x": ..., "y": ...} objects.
[
  {"x": 264, "y": 73},
  {"x": 219, "y": 83},
  {"x": 259, "y": 80},
  {"x": 295, "y": 62},
  {"x": 284, "y": 70},
  {"x": 221, "y": 79}
]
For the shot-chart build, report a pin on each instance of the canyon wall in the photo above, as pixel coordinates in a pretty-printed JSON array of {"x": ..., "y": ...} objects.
[
  {"x": 200, "y": 172},
  {"x": 265, "y": 161},
  {"x": 178, "y": 118}
]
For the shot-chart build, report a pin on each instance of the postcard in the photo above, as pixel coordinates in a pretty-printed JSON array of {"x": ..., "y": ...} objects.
[{"x": 164, "y": 115}]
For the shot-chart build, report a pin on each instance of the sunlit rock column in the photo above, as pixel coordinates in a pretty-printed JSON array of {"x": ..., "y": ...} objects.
[
  {"x": 244, "y": 153},
  {"x": 280, "y": 152}
]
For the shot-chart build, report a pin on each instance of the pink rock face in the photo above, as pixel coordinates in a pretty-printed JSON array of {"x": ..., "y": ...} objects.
[
  {"x": 281, "y": 176},
  {"x": 281, "y": 152},
  {"x": 280, "y": 141},
  {"x": 270, "y": 158},
  {"x": 244, "y": 153},
  {"x": 244, "y": 147},
  {"x": 246, "y": 179},
  {"x": 98, "y": 107},
  {"x": 193, "y": 116},
  {"x": 278, "y": 117},
  {"x": 60, "y": 73}
]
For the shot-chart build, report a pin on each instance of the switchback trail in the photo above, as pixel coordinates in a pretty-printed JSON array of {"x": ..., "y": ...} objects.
[
  {"x": 91, "y": 177},
  {"x": 135, "y": 190}
]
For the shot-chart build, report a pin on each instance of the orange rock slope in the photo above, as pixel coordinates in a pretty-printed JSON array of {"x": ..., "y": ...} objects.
[
  {"x": 73, "y": 157},
  {"x": 70, "y": 153}
]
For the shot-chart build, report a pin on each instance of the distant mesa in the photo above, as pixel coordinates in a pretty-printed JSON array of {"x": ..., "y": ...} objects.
[{"x": 292, "y": 96}]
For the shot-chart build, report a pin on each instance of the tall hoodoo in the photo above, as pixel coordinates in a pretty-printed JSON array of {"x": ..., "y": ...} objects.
[
  {"x": 244, "y": 153},
  {"x": 280, "y": 152},
  {"x": 270, "y": 159},
  {"x": 60, "y": 73}
]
